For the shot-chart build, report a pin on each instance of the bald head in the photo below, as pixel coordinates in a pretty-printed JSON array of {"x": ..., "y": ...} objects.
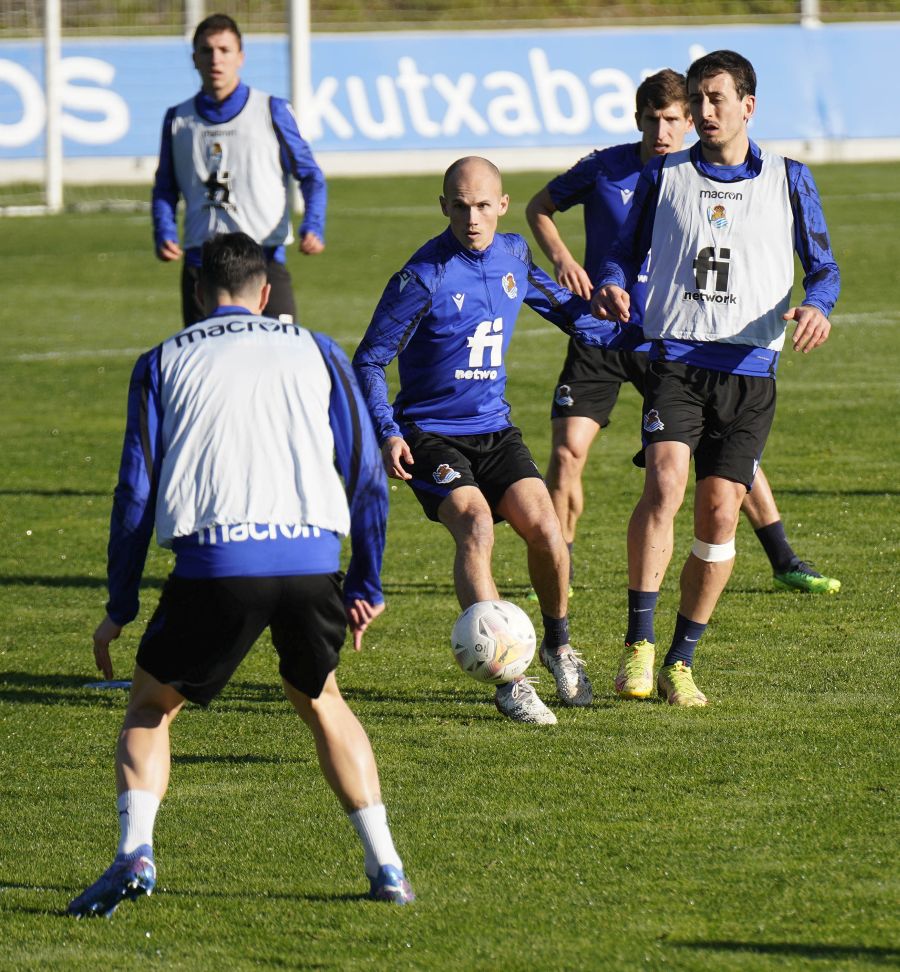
[
  {"x": 474, "y": 201},
  {"x": 466, "y": 168}
]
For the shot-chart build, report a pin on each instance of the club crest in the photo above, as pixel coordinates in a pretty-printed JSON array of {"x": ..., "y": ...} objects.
[
  {"x": 652, "y": 422},
  {"x": 445, "y": 474},
  {"x": 563, "y": 397},
  {"x": 717, "y": 216},
  {"x": 509, "y": 286}
]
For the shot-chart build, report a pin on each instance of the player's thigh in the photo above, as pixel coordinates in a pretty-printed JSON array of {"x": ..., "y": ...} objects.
[
  {"x": 668, "y": 467},
  {"x": 202, "y": 629},
  {"x": 528, "y": 509},
  {"x": 717, "y": 505},
  {"x": 465, "y": 512},
  {"x": 571, "y": 440},
  {"x": 308, "y": 628},
  {"x": 588, "y": 385},
  {"x": 281, "y": 305},
  {"x": 503, "y": 460},
  {"x": 740, "y": 417},
  {"x": 675, "y": 399},
  {"x": 439, "y": 468}
]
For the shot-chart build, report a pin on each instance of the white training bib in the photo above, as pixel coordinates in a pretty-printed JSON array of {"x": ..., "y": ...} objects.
[{"x": 723, "y": 256}]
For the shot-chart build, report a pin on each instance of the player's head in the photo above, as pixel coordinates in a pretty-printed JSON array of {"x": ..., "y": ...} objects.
[
  {"x": 722, "y": 97},
  {"x": 662, "y": 113},
  {"x": 218, "y": 55},
  {"x": 233, "y": 271},
  {"x": 473, "y": 200}
]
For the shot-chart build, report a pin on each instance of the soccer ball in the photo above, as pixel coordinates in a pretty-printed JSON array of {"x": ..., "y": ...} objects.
[{"x": 493, "y": 641}]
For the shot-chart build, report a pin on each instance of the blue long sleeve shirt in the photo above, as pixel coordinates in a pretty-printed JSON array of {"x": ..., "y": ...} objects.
[{"x": 448, "y": 317}]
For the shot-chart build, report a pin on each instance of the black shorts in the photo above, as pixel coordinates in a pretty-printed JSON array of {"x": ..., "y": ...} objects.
[
  {"x": 202, "y": 630},
  {"x": 492, "y": 461},
  {"x": 590, "y": 380},
  {"x": 281, "y": 299},
  {"x": 724, "y": 418}
]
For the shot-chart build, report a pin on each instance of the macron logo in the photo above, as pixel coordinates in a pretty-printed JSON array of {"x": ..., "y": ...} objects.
[
  {"x": 458, "y": 300},
  {"x": 404, "y": 280},
  {"x": 626, "y": 196}
]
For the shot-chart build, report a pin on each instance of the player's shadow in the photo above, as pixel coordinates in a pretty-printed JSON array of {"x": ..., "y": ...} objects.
[
  {"x": 76, "y": 580},
  {"x": 29, "y": 688},
  {"x": 806, "y": 491},
  {"x": 70, "y": 891},
  {"x": 55, "y": 493},
  {"x": 836, "y": 953}
]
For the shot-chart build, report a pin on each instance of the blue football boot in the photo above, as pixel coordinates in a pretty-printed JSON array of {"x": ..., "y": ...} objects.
[
  {"x": 390, "y": 884},
  {"x": 129, "y": 876}
]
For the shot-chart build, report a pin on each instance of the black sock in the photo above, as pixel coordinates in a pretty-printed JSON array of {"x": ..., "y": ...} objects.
[
  {"x": 556, "y": 631},
  {"x": 780, "y": 553},
  {"x": 684, "y": 641},
  {"x": 641, "y": 608}
]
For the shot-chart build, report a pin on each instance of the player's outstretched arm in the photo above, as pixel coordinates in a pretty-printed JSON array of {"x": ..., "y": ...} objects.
[
  {"x": 812, "y": 329},
  {"x": 106, "y": 632},
  {"x": 394, "y": 452},
  {"x": 360, "y": 614},
  {"x": 567, "y": 270},
  {"x": 611, "y": 303}
]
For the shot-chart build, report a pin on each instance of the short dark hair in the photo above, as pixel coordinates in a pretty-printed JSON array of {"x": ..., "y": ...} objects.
[
  {"x": 666, "y": 87},
  {"x": 231, "y": 262},
  {"x": 725, "y": 62},
  {"x": 216, "y": 24}
]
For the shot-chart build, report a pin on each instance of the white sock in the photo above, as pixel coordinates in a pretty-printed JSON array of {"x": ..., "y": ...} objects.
[
  {"x": 137, "y": 813},
  {"x": 372, "y": 826}
]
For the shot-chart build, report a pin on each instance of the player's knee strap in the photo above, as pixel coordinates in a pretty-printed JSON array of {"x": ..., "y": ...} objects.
[{"x": 712, "y": 553}]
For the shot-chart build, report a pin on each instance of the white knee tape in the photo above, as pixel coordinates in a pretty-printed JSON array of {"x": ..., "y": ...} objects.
[{"x": 712, "y": 553}]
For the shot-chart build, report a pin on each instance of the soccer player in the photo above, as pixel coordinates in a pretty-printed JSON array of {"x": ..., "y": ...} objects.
[
  {"x": 228, "y": 150},
  {"x": 722, "y": 220},
  {"x": 588, "y": 385},
  {"x": 235, "y": 428},
  {"x": 448, "y": 316}
]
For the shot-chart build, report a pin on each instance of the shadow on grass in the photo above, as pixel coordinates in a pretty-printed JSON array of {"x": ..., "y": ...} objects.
[
  {"x": 78, "y": 580},
  {"x": 808, "y": 950},
  {"x": 53, "y": 493},
  {"x": 801, "y": 491},
  {"x": 257, "y": 697},
  {"x": 238, "y": 895},
  {"x": 28, "y": 687}
]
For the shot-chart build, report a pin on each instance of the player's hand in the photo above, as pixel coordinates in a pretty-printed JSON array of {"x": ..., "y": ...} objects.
[
  {"x": 310, "y": 244},
  {"x": 106, "y": 632},
  {"x": 395, "y": 451},
  {"x": 812, "y": 329},
  {"x": 169, "y": 250},
  {"x": 360, "y": 614},
  {"x": 571, "y": 274},
  {"x": 611, "y": 303}
]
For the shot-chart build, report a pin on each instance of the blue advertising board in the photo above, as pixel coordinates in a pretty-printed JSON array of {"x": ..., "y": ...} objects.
[{"x": 441, "y": 90}]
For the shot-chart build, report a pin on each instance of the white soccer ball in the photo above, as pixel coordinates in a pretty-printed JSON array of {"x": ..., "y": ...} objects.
[{"x": 493, "y": 641}]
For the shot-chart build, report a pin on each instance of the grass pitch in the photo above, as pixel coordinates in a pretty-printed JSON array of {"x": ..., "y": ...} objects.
[{"x": 759, "y": 833}]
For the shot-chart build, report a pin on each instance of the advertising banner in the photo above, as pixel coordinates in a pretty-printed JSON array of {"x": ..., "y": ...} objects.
[{"x": 443, "y": 90}]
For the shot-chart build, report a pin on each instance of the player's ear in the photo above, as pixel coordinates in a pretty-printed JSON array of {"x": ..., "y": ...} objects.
[
  {"x": 444, "y": 206},
  {"x": 504, "y": 204},
  {"x": 264, "y": 296},
  {"x": 749, "y": 106}
]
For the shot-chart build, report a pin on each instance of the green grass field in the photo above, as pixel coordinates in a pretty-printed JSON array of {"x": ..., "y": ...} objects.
[{"x": 757, "y": 834}]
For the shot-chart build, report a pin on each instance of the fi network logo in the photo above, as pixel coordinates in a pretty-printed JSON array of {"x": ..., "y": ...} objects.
[
  {"x": 708, "y": 264},
  {"x": 488, "y": 334}
]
